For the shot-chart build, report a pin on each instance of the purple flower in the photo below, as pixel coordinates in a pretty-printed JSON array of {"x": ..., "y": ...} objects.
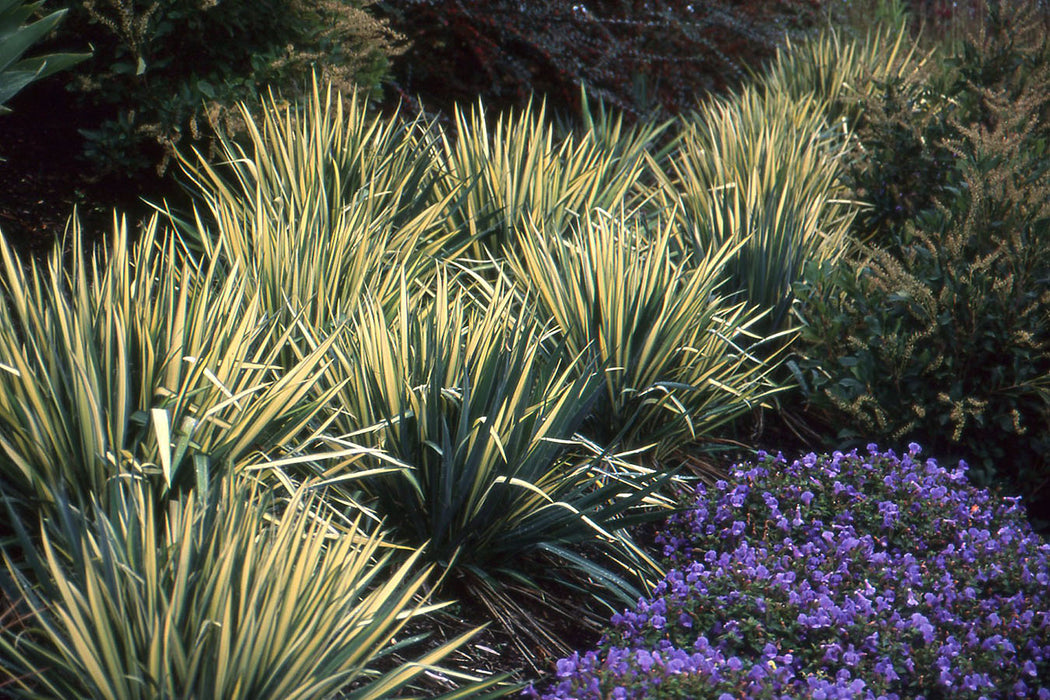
[
  {"x": 921, "y": 587},
  {"x": 566, "y": 667}
]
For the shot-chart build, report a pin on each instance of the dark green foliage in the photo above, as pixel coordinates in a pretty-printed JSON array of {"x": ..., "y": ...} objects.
[
  {"x": 903, "y": 163},
  {"x": 18, "y": 32},
  {"x": 164, "y": 69},
  {"x": 905, "y": 160},
  {"x": 941, "y": 334},
  {"x": 1008, "y": 55},
  {"x": 638, "y": 56}
]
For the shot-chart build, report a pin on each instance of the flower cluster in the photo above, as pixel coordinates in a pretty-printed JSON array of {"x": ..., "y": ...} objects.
[{"x": 839, "y": 576}]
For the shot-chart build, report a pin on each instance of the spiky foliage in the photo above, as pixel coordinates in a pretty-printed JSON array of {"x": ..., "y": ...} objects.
[
  {"x": 117, "y": 361},
  {"x": 671, "y": 346},
  {"x": 328, "y": 199},
  {"x": 501, "y": 176},
  {"x": 761, "y": 171},
  {"x": 481, "y": 416},
  {"x": 227, "y": 597},
  {"x": 837, "y": 69}
]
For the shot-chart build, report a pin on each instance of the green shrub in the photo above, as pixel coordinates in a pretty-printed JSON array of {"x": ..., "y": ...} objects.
[
  {"x": 15, "y": 39},
  {"x": 903, "y": 161},
  {"x": 231, "y": 596},
  {"x": 942, "y": 334},
  {"x": 948, "y": 339},
  {"x": 163, "y": 70}
]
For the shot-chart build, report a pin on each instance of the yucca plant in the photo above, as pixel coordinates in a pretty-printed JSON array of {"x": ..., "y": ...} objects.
[
  {"x": 837, "y": 68},
  {"x": 121, "y": 360},
  {"x": 502, "y": 175},
  {"x": 482, "y": 417},
  {"x": 233, "y": 596},
  {"x": 670, "y": 343},
  {"x": 16, "y": 37},
  {"x": 761, "y": 171},
  {"x": 329, "y": 198}
]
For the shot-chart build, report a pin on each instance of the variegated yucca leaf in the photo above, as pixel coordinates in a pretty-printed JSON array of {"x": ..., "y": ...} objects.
[
  {"x": 465, "y": 390},
  {"x": 502, "y": 175},
  {"x": 233, "y": 596},
  {"x": 670, "y": 343},
  {"x": 837, "y": 69},
  {"x": 122, "y": 360},
  {"x": 329, "y": 199},
  {"x": 761, "y": 171}
]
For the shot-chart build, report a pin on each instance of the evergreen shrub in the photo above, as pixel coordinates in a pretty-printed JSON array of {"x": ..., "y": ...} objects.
[{"x": 939, "y": 331}]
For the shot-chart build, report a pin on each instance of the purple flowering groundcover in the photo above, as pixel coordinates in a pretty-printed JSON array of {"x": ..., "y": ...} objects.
[{"x": 835, "y": 576}]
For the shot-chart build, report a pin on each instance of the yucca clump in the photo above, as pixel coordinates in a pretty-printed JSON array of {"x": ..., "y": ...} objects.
[
  {"x": 836, "y": 576},
  {"x": 115, "y": 362},
  {"x": 228, "y": 593},
  {"x": 479, "y": 413},
  {"x": 474, "y": 388},
  {"x": 669, "y": 342},
  {"x": 499, "y": 177},
  {"x": 140, "y": 389},
  {"x": 838, "y": 68},
  {"x": 760, "y": 170},
  {"x": 325, "y": 204}
]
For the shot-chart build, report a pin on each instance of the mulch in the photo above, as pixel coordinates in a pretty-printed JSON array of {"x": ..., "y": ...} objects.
[{"x": 44, "y": 174}]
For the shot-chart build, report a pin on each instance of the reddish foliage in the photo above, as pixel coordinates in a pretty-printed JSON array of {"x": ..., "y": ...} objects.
[{"x": 641, "y": 56}]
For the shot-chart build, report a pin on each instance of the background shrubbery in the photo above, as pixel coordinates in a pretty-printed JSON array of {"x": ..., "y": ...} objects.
[
  {"x": 939, "y": 330},
  {"x": 640, "y": 57},
  {"x": 164, "y": 73}
]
